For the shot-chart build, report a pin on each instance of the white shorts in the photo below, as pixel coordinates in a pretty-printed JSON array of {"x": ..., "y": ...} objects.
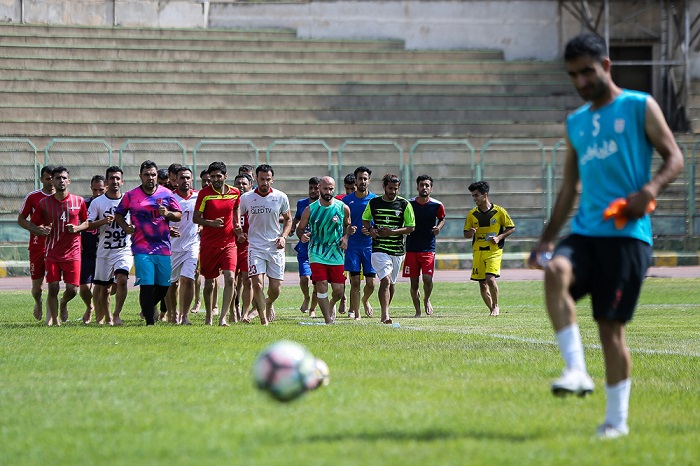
[
  {"x": 270, "y": 263},
  {"x": 384, "y": 265},
  {"x": 106, "y": 266},
  {"x": 183, "y": 264}
]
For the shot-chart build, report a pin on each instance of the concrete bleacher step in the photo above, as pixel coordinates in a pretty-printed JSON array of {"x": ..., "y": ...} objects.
[
  {"x": 263, "y": 98},
  {"x": 302, "y": 51},
  {"x": 173, "y": 114},
  {"x": 281, "y": 85},
  {"x": 280, "y": 64},
  {"x": 339, "y": 75}
]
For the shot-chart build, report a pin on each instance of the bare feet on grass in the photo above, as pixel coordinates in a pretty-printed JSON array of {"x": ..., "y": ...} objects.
[
  {"x": 495, "y": 311},
  {"x": 368, "y": 309},
  {"x": 38, "y": 310}
]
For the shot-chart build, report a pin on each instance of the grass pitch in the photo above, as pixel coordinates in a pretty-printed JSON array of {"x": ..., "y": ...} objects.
[{"x": 455, "y": 388}]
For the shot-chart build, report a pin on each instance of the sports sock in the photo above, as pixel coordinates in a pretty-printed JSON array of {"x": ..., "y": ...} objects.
[
  {"x": 148, "y": 302},
  {"x": 571, "y": 348},
  {"x": 617, "y": 403}
]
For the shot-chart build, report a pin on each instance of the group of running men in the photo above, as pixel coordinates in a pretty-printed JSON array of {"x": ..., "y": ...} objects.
[{"x": 171, "y": 234}]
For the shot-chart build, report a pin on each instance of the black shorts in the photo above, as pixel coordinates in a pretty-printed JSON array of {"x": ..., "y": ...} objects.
[
  {"x": 87, "y": 270},
  {"x": 611, "y": 270}
]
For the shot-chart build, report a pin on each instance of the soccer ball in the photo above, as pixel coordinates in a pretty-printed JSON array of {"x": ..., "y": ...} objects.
[
  {"x": 322, "y": 372},
  {"x": 286, "y": 370}
]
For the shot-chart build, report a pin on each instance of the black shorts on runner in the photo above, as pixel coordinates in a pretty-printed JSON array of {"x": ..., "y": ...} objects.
[
  {"x": 87, "y": 270},
  {"x": 610, "y": 269}
]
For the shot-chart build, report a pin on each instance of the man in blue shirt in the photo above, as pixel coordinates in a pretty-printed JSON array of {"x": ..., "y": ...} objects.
[{"x": 610, "y": 142}]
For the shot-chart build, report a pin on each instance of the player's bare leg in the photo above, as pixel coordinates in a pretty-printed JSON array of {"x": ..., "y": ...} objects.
[
  {"x": 215, "y": 298},
  {"x": 229, "y": 286},
  {"x": 100, "y": 293},
  {"x": 304, "y": 287},
  {"x": 37, "y": 289},
  {"x": 86, "y": 296},
  {"x": 52, "y": 304},
  {"x": 415, "y": 295},
  {"x": 486, "y": 295},
  {"x": 337, "y": 294},
  {"x": 384, "y": 296},
  {"x": 207, "y": 297},
  {"x": 186, "y": 297},
  {"x": 68, "y": 294},
  {"x": 427, "y": 291},
  {"x": 367, "y": 293},
  {"x": 323, "y": 301},
  {"x": 342, "y": 308},
  {"x": 121, "y": 288},
  {"x": 258, "y": 288},
  {"x": 171, "y": 303},
  {"x": 493, "y": 293},
  {"x": 197, "y": 293},
  {"x": 273, "y": 292}
]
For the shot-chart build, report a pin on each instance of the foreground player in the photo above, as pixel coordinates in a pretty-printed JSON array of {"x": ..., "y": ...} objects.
[
  {"x": 358, "y": 256},
  {"x": 388, "y": 218},
  {"x": 62, "y": 217},
  {"x": 88, "y": 256},
  {"x": 217, "y": 211},
  {"x": 327, "y": 242},
  {"x": 151, "y": 208},
  {"x": 420, "y": 244},
  {"x": 114, "y": 258},
  {"x": 266, "y": 239},
  {"x": 37, "y": 244},
  {"x": 185, "y": 247},
  {"x": 610, "y": 143},
  {"x": 302, "y": 248},
  {"x": 488, "y": 225}
]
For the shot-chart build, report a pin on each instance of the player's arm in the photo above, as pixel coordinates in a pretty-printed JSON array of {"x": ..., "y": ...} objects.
[
  {"x": 77, "y": 228},
  {"x": 170, "y": 215},
  {"x": 199, "y": 220},
  {"x": 663, "y": 141},
  {"x": 562, "y": 206},
  {"x": 506, "y": 233},
  {"x": 237, "y": 228},
  {"x": 367, "y": 222},
  {"x": 441, "y": 221},
  {"x": 287, "y": 225},
  {"x": 121, "y": 221},
  {"x": 296, "y": 220},
  {"x": 301, "y": 225},
  {"x": 409, "y": 224},
  {"x": 348, "y": 228}
]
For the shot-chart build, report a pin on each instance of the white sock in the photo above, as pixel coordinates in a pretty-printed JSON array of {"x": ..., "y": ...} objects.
[
  {"x": 617, "y": 403},
  {"x": 571, "y": 348}
]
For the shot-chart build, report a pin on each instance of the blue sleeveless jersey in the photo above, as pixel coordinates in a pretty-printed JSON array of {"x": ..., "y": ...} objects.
[{"x": 614, "y": 160}]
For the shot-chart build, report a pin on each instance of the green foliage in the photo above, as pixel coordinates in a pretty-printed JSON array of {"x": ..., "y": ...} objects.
[{"x": 455, "y": 388}]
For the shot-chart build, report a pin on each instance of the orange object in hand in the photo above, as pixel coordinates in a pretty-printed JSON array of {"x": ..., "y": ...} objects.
[{"x": 616, "y": 209}]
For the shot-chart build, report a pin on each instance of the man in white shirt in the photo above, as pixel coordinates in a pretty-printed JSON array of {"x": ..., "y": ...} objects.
[
  {"x": 266, "y": 239},
  {"x": 114, "y": 258},
  {"x": 185, "y": 250}
]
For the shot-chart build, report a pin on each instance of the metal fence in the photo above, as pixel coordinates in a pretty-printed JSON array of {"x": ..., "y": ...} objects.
[{"x": 524, "y": 174}]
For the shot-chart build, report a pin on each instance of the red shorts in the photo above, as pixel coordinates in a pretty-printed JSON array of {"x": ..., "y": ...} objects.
[
  {"x": 37, "y": 264},
  {"x": 70, "y": 270},
  {"x": 329, "y": 273},
  {"x": 215, "y": 259},
  {"x": 242, "y": 264},
  {"x": 416, "y": 263}
]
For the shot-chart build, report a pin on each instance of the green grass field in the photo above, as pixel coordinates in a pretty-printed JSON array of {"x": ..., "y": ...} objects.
[{"x": 456, "y": 388}]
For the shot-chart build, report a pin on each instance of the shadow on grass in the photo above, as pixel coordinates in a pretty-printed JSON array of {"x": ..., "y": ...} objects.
[{"x": 427, "y": 435}]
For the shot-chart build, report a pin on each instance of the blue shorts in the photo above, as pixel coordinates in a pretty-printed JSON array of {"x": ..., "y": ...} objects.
[
  {"x": 359, "y": 260},
  {"x": 152, "y": 269},
  {"x": 304, "y": 266}
]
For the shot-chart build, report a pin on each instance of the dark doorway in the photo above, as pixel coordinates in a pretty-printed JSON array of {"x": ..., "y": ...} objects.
[{"x": 634, "y": 77}]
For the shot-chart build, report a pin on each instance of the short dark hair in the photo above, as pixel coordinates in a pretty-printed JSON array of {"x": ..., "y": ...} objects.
[
  {"x": 183, "y": 168},
  {"x": 349, "y": 178},
  {"x": 217, "y": 167},
  {"x": 47, "y": 169},
  {"x": 174, "y": 167},
  {"x": 113, "y": 169},
  {"x": 203, "y": 172},
  {"x": 162, "y": 173},
  {"x": 246, "y": 169},
  {"x": 424, "y": 178},
  {"x": 148, "y": 164},
  {"x": 390, "y": 178},
  {"x": 59, "y": 169},
  {"x": 264, "y": 168},
  {"x": 362, "y": 169},
  {"x": 314, "y": 181},
  {"x": 481, "y": 186},
  {"x": 587, "y": 43},
  {"x": 97, "y": 178},
  {"x": 246, "y": 176}
]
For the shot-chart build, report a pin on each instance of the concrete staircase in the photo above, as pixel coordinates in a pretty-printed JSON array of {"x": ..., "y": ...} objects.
[{"x": 694, "y": 107}]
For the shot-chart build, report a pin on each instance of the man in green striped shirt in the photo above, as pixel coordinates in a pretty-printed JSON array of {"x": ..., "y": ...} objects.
[
  {"x": 330, "y": 227},
  {"x": 393, "y": 218}
]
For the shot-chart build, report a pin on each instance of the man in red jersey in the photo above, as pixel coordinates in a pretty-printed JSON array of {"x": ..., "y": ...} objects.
[
  {"x": 218, "y": 212},
  {"x": 61, "y": 218},
  {"x": 37, "y": 248}
]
